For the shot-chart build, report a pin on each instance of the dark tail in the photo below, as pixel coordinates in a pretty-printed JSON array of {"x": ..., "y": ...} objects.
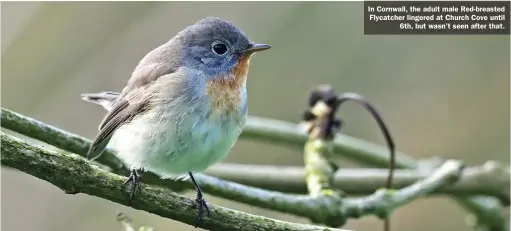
[{"x": 105, "y": 98}]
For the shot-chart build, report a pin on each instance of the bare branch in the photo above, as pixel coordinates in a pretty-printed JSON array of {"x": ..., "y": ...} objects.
[{"x": 491, "y": 179}]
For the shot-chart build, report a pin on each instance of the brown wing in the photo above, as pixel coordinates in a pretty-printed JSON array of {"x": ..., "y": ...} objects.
[
  {"x": 134, "y": 97},
  {"x": 141, "y": 76},
  {"x": 125, "y": 109}
]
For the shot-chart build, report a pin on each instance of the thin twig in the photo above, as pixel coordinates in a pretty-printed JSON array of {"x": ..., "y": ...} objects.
[{"x": 349, "y": 96}]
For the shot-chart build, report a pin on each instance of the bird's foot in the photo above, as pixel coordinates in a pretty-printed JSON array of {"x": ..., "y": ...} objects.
[
  {"x": 202, "y": 207},
  {"x": 134, "y": 179}
]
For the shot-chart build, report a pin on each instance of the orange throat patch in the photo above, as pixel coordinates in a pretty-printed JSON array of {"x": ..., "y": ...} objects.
[{"x": 225, "y": 93}]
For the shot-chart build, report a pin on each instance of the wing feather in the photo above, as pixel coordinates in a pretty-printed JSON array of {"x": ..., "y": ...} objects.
[
  {"x": 123, "y": 112},
  {"x": 134, "y": 98},
  {"x": 131, "y": 102}
]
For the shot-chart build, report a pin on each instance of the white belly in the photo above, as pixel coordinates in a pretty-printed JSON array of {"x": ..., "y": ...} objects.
[{"x": 171, "y": 146}]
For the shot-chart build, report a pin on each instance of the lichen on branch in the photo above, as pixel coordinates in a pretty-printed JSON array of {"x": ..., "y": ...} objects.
[{"x": 73, "y": 174}]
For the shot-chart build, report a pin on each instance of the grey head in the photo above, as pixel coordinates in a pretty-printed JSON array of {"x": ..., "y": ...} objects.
[{"x": 214, "y": 46}]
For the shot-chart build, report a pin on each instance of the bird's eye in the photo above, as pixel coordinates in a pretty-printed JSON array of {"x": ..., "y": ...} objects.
[{"x": 219, "y": 48}]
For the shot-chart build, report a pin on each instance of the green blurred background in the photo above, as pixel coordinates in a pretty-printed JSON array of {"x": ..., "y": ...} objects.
[{"x": 444, "y": 96}]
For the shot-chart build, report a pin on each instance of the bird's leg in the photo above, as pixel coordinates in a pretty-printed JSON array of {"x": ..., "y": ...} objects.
[
  {"x": 200, "y": 201},
  {"x": 134, "y": 179}
]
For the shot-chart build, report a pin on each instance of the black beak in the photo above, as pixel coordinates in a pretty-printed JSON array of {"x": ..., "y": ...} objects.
[{"x": 255, "y": 47}]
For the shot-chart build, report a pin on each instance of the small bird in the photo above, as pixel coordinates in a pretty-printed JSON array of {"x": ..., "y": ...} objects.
[{"x": 184, "y": 106}]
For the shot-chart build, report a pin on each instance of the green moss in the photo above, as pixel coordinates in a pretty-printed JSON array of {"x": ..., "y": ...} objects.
[{"x": 73, "y": 174}]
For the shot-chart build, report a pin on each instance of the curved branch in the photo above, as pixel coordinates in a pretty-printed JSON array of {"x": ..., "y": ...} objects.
[
  {"x": 73, "y": 175},
  {"x": 384, "y": 201}
]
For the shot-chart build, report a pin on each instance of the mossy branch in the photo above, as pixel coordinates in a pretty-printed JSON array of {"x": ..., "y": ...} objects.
[
  {"x": 319, "y": 171},
  {"x": 73, "y": 174},
  {"x": 487, "y": 209}
]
